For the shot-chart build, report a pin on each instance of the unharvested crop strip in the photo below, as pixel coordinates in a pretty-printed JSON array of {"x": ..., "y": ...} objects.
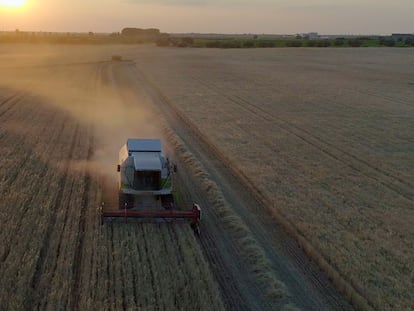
[
  {"x": 150, "y": 262},
  {"x": 77, "y": 260},
  {"x": 116, "y": 289},
  {"x": 45, "y": 245},
  {"x": 42, "y": 174},
  {"x": 19, "y": 164},
  {"x": 132, "y": 267}
]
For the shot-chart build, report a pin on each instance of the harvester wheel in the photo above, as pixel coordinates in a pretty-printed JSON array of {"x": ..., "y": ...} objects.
[
  {"x": 167, "y": 201},
  {"x": 196, "y": 229},
  {"x": 125, "y": 201}
]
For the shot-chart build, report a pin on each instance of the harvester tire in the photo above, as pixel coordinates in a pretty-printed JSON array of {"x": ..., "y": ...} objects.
[
  {"x": 125, "y": 201},
  {"x": 167, "y": 201},
  {"x": 196, "y": 229}
]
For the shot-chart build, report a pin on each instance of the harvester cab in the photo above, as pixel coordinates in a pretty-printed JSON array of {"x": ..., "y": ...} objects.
[{"x": 145, "y": 185}]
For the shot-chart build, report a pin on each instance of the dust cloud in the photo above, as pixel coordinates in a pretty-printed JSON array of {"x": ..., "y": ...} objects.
[{"x": 102, "y": 96}]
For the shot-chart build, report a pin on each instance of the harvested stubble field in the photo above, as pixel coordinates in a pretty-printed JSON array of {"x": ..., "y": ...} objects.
[{"x": 316, "y": 142}]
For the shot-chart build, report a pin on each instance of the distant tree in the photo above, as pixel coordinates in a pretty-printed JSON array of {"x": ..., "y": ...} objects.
[
  {"x": 265, "y": 43},
  {"x": 409, "y": 42},
  {"x": 255, "y": 37},
  {"x": 248, "y": 44},
  {"x": 231, "y": 44},
  {"x": 323, "y": 43},
  {"x": 187, "y": 41},
  {"x": 339, "y": 42},
  {"x": 355, "y": 42},
  {"x": 294, "y": 43},
  {"x": 213, "y": 44},
  {"x": 311, "y": 43},
  {"x": 163, "y": 42},
  {"x": 114, "y": 34},
  {"x": 141, "y": 35},
  {"x": 387, "y": 41}
]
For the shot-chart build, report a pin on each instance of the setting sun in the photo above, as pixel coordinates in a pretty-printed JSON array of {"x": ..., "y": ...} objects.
[{"x": 12, "y": 3}]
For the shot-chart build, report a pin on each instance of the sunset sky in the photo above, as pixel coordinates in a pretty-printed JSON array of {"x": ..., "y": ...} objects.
[{"x": 213, "y": 16}]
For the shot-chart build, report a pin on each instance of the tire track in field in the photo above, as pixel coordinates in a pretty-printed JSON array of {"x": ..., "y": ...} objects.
[
  {"x": 396, "y": 184},
  {"x": 237, "y": 188},
  {"x": 225, "y": 275}
]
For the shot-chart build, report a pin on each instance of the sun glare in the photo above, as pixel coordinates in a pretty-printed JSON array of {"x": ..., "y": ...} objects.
[{"x": 12, "y": 3}]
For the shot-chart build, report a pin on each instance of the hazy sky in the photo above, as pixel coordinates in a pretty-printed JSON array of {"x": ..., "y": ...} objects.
[{"x": 219, "y": 16}]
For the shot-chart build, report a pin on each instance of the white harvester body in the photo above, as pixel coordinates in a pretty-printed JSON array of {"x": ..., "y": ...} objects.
[
  {"x": 145, "y": 186},
  {"x": 145, "y": 175}
]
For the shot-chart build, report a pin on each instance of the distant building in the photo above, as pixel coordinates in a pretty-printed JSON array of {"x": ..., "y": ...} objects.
[{"x": 402, "y": 36}]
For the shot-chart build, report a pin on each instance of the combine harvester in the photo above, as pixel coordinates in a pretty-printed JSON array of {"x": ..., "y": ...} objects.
[{"x": 146, "y": 186}]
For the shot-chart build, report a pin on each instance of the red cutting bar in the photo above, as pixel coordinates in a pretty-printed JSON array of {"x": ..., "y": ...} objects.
[
  {"x": 156, "y": 214},
  {"x": 194, "y": 214}
]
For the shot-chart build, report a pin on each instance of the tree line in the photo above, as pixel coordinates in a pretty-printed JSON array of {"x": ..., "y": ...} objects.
[
  {"x": 126, "y": 36},
  {"x": 153, "y": 35},
  {"x": 285, "y": 42}
]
